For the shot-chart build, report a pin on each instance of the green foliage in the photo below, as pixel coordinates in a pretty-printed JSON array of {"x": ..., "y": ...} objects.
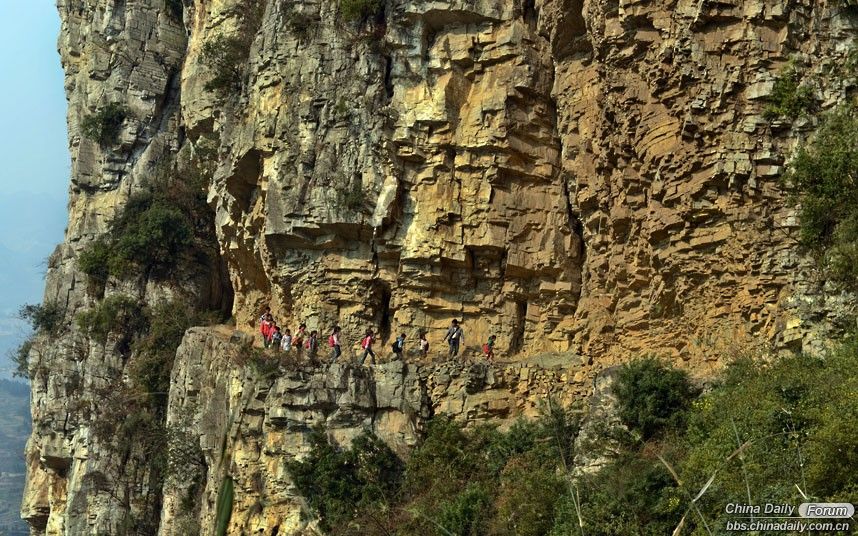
[
  {"x": 337, "y": 481},
  {"x": 20, "y": 358},
  {"x": 652, "y": 396},
  {"x": 225, "y": 56},
  {"x": 94, "y": 261},
  {"x": 788, "y": 98},
  {"x": 44, "y": 318},
  {"x": 528, "y": 497},
  {"x": 300, "y": 23},
  {"x": 823, "y": 177},
  {"x": 360, "y": 10},
  {"x": 466, "y": 513},
  {"x": 352, "y": 198},
  {"x": 471, "y": 482},
  {"x": 796, "y": 418},
  {"x": 224, "y": 506},
  {"x": 151, "y": 232},
  {"x": 104, "y": 125},
  {"x": 156, "y": 350},
  {"x": 117, "y": 314},
  {"x": 633, "y": 495}
]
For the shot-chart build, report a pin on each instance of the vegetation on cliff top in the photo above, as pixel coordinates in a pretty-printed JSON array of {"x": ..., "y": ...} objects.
[{"x": 764, "y": 432}]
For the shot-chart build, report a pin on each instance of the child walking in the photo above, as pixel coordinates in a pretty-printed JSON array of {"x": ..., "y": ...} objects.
[
  {"x": 423, "y": 345},
  {"x": 366, "y": 344},
  {"x": 286, "y": 343},
  {"x": 398, "y": 346},
  {"x": 489, "y": 348},
  {"x": 266, "y": 327},
  {"x": 276, "y": 339},
  {"x": 298, "y": 339},
  {"x": 334, "y": 343},
  {"x": 312, "y": 345},
  {"x": 454, "y": 337}
]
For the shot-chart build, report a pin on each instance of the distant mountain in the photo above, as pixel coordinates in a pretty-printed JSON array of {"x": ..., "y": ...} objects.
[{"x": 15, "y": 426}]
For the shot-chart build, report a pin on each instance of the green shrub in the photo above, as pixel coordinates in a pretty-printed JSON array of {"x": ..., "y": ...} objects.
[
  {"x": 466, "y": 513},
  {"x": 21, "y": 359},
  {"x": 337, "y": 482},
  {"x": 104, "y": 125},
  {"x": 795, "y": 417},
  {"x": 300, "y": 23},
  {"x": 788, "y": 98},
  {"x": 652, "y": 397},
  {"x": 630, "y": 496},
  {"x": 156, "y": 350},
  {"x": 94, "y": 260},
  {"x": 822, "y": 177},
  {"x": 527, "y": 497},
  {"x": 150, "y": 234},
  {"x": 360, "y": 10},
  {"x": 352, "y": 198},
  {"x": 44, "y": 318},
  {"x": 225, "y": 57},
  {"x": 117, "y": 314}
]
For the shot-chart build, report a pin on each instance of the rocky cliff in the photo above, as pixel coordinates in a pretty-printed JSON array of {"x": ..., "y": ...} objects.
[{"x": 590, "y": 180}]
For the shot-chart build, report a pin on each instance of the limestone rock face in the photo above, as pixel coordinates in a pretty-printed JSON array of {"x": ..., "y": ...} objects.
[{"x": 591, "y": 180}]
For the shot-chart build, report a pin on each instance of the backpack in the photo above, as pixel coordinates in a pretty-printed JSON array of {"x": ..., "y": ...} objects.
[
  {"x": 395, "y": 347},
  {"x": 486, "y": 348},
  {"x": 366, "y": 342},
  {"x": 331, "y": 341}
]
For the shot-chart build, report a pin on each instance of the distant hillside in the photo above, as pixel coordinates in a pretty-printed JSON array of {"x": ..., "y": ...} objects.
[{"x": 14, "y": 428}]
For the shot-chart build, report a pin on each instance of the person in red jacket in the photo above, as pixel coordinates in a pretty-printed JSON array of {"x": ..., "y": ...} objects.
[{"x": 266, "y": 327}]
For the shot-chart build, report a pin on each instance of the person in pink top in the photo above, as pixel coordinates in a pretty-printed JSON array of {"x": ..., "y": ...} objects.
[
  {"x": 366, "y": 344},
  {"x": 266, "y": 327}
]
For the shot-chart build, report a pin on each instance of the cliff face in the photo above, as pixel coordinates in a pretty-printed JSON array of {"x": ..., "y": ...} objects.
[{"x": 593, "y": 178}]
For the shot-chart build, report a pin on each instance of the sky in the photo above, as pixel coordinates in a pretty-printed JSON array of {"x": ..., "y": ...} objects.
[{"x": 34, "y": 158}]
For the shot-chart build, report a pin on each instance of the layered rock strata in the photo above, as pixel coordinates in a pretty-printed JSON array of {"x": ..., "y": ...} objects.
[{"x": 591, "y": 177}]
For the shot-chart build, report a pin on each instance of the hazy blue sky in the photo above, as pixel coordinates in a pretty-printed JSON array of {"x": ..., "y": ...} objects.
[{"x": 34, "y": 161}]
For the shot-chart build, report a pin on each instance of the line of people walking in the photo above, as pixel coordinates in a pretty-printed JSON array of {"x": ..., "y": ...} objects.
[{"x": 282, "y": 340}]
